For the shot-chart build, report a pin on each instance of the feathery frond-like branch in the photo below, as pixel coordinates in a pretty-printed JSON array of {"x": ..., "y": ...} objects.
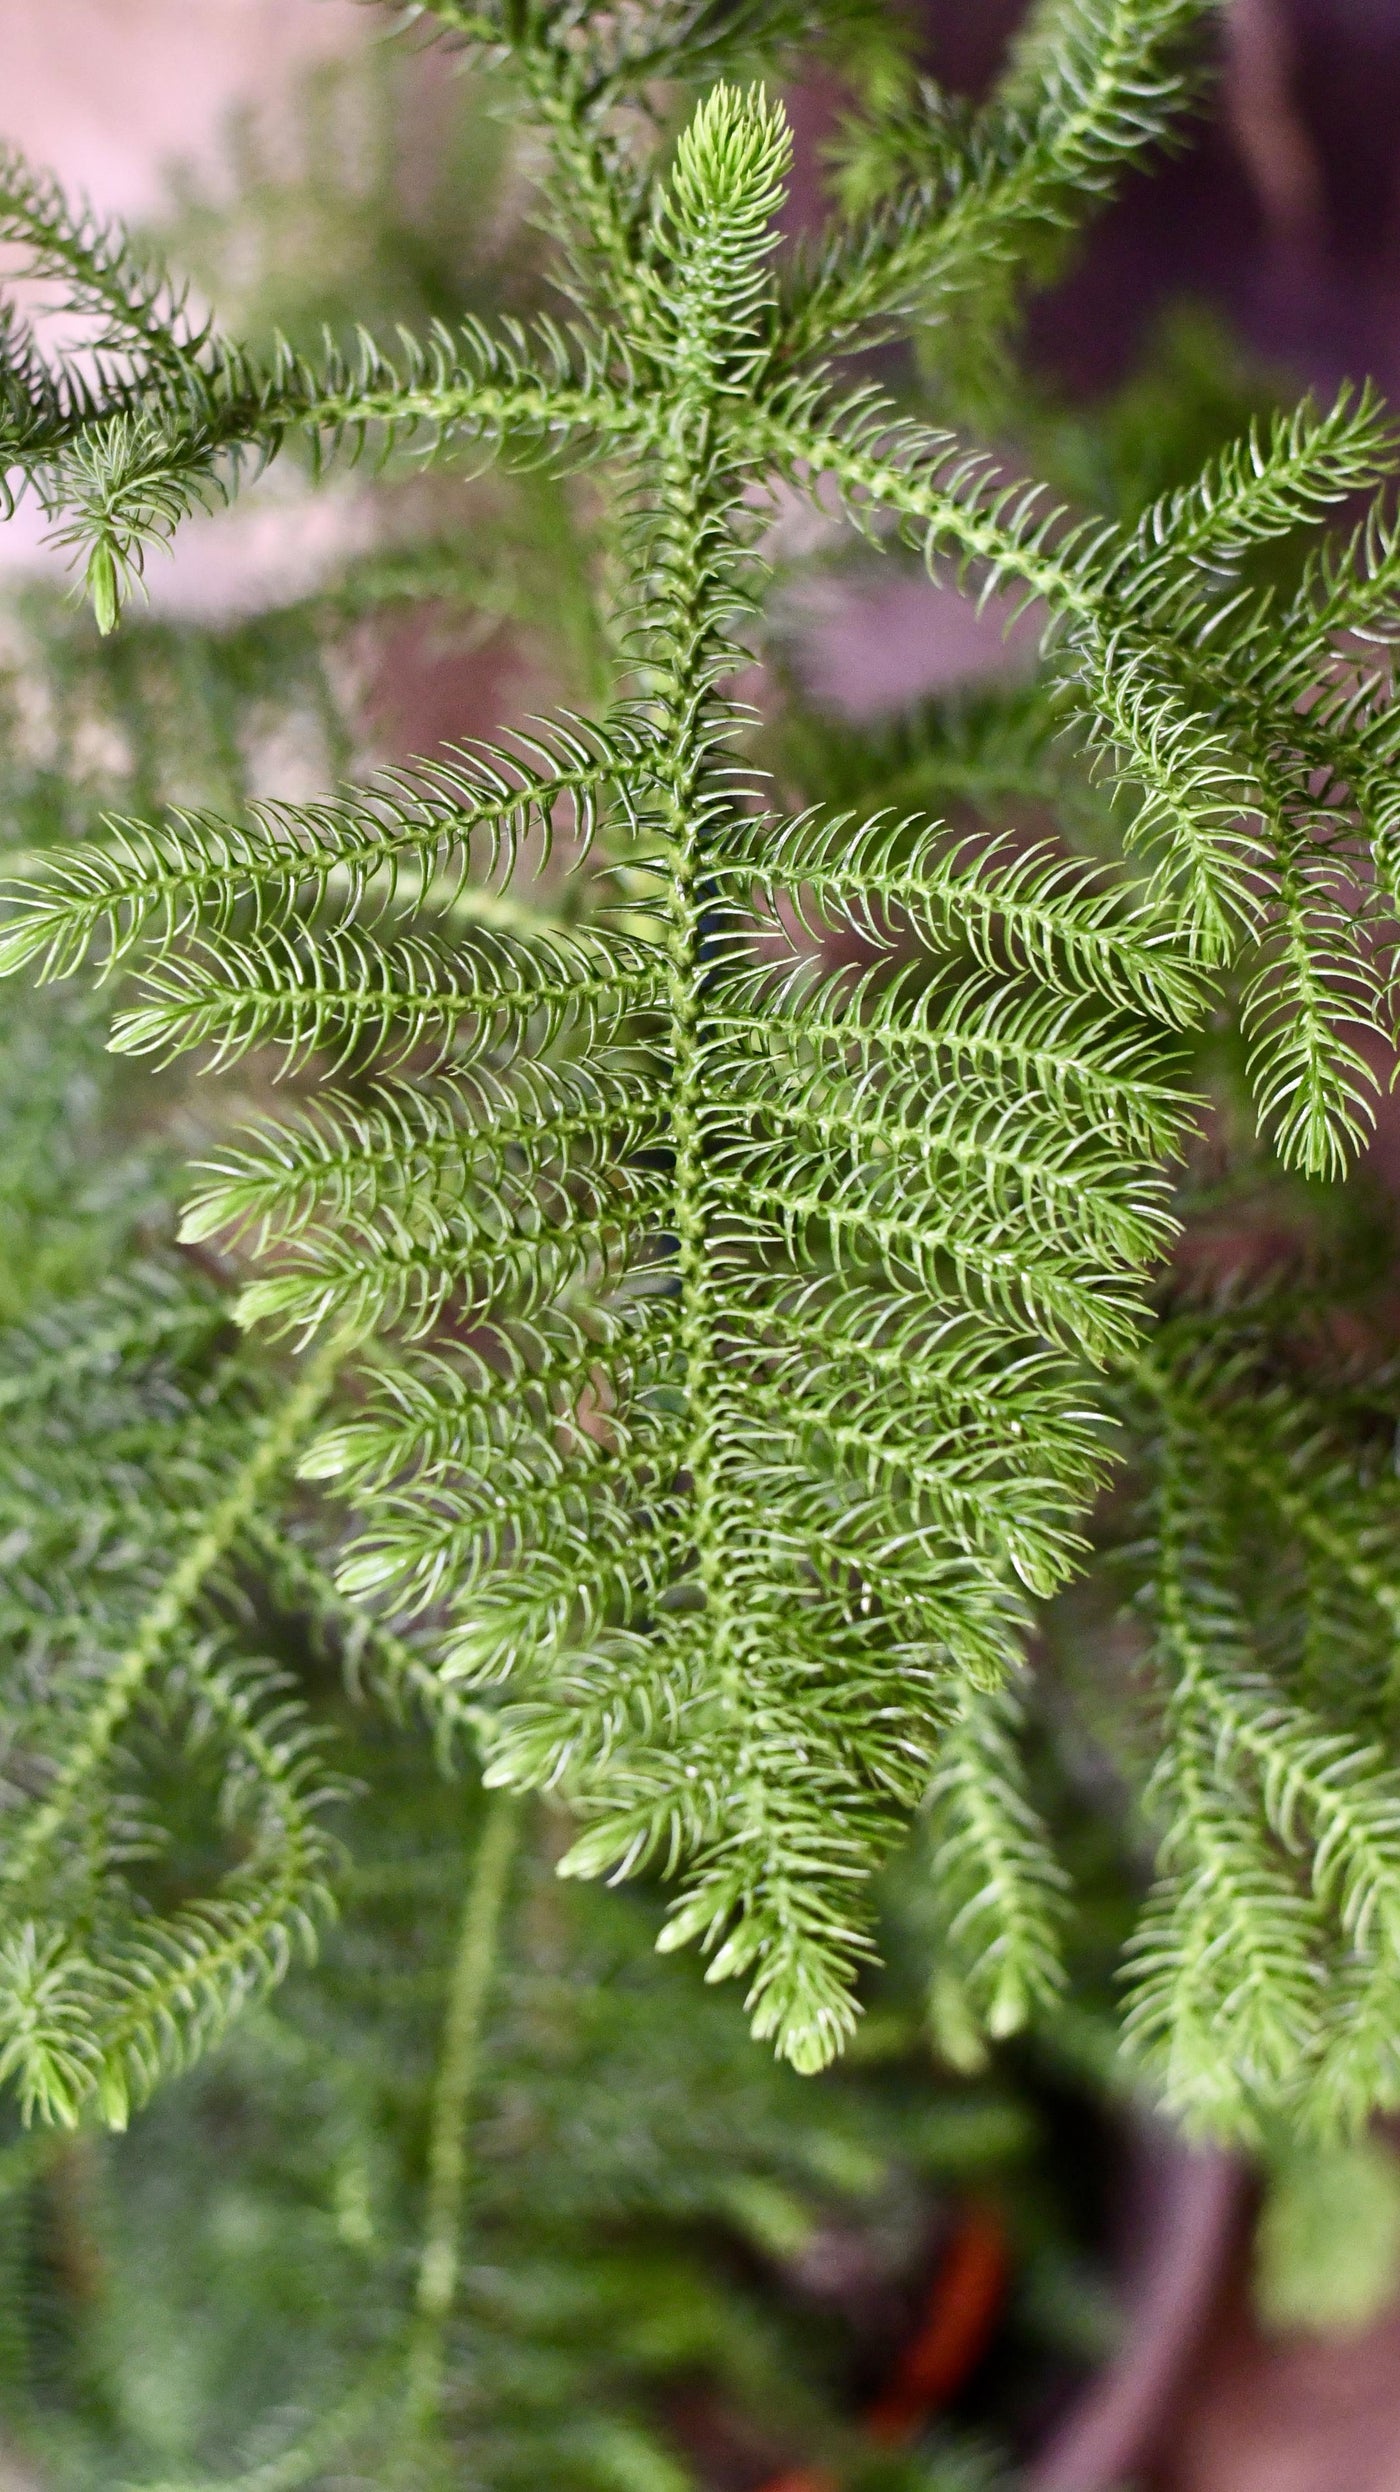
[{"x": 745, "y": 1221}]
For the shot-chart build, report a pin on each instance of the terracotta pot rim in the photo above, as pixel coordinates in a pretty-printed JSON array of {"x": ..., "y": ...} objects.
[{"x": 1187, "y": 2203}]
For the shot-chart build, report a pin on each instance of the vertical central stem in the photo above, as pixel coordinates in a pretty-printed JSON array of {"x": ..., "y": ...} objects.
[
  {"x": 473, "y": 1967},
  {"x": 682, "y": 694}
]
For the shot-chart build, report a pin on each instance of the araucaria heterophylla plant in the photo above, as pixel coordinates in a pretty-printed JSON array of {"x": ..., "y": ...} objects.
[{"x": 720, "y": 1246}]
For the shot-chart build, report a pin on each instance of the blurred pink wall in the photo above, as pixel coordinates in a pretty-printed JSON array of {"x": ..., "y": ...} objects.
[{"x": 108, "y": 92}]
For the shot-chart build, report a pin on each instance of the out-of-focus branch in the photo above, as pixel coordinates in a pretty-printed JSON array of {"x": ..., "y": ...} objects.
[{"x": 1268, "y": 128}]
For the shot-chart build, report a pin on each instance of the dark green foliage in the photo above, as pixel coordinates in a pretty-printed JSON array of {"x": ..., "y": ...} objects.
[{"x": 659, "y": 2215}]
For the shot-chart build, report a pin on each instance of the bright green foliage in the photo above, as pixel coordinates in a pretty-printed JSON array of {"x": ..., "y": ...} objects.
[{"x": 733, "y": 1228}]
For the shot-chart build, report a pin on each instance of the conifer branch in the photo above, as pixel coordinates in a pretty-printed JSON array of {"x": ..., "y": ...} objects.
[
  {"x": 273, "y": 1449},
  {"x": 1095, "y": 85},
  {"x": 468, "y": 1998},
  {"x": 746, "y": 1223}
]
